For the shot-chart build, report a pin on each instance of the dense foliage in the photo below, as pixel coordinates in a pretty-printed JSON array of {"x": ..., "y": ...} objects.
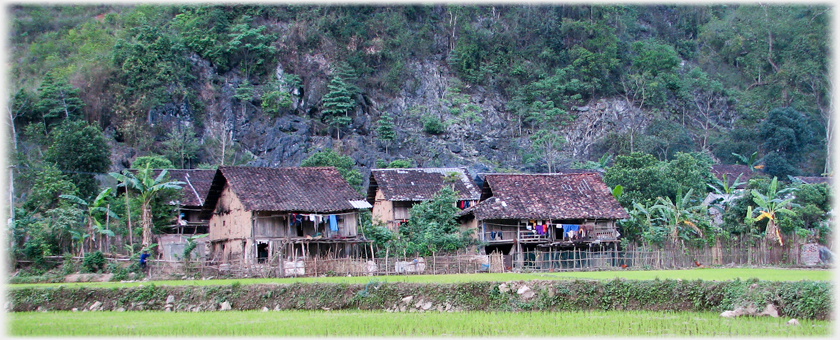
[{"x": 704, "y": 85}]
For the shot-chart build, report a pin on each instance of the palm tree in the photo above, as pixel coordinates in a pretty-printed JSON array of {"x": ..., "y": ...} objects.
[
  {"x": 93, "y": 225},
  {"x": 147, "y": 187},
  {"x": 770, "y": 204}
]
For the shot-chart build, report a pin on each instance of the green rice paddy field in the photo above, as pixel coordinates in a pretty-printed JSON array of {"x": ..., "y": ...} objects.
[
  {"x": 373, "y": 323},
  {"x": 352, "y": 323},
  {"x": 706, "y": 274}
]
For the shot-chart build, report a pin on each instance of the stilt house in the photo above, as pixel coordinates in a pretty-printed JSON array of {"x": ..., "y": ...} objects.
[
  {"x": 265, "y": 213},
  {"x": 392, "y": 192},
  {"x": 523, "y": 212}
]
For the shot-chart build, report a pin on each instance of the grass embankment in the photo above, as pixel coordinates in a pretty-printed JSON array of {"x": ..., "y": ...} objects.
[
  {"x": 377, "y": 323},
  {"x": 706, "y": 274}
]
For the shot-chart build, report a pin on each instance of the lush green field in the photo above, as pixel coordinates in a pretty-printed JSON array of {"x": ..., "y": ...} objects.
[
  {"x": 706, "y": 274},
  {"x": 365, "y": 323}
]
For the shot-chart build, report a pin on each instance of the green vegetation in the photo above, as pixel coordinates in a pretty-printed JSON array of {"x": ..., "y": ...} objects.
[
  {"x": 344, "y": 165},
  {"x": 711, "y": 274},
  {"x": 148, "y": 188},
  {"x": 370, "y": 323},
  {"x": 698, "y": 81}
]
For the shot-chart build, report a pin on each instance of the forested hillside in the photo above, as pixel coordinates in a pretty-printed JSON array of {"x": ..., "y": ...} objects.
[{"x": 502, "y": 88}]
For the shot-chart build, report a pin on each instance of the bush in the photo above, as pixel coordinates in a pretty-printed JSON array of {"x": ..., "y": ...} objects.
[
  {"x": 433, "y": 125},
  {"x": 69, "y": 266},
  {"x": 93, "y": 262}
]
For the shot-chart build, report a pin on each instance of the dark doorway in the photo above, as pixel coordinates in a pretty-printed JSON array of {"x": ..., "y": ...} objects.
[{"x": 262, "y": 252}]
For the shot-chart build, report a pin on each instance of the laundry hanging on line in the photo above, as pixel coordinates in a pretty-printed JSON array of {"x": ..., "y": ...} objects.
[{"x": 333, "y": 223}]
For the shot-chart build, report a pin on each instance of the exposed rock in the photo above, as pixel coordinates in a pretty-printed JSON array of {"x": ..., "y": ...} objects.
[
  {"x": 95, "y": 306},
  {"x": 74, "y": 309},
  {"x": 770, "y": 310},
  {"x": 427, "y": 305},
  {"x": 525, "y": 292},
  {"x": 121, "y": 309},
  {"x": 407, "y": 299},
  {"x": 170, "y": 299},
  {"x": 225, "y": 306},
  {"x": 167, "y": 309},
  {"x": 265, "y": 309},
  {"x": 503, "y": 288},
  {"x": 402, "y": 308},
  {"x": 793, "y": 322},
  {"x": 729, "y": 314},
  {"x": 276, "y": 307}
]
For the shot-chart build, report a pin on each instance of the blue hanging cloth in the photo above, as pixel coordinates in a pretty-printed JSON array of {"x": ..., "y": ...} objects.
[{"x": 333, "y": 223}]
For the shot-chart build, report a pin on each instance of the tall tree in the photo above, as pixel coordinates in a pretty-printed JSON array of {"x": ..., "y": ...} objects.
[
  {"x": 57, "y": 100},
  {"x": 548, "y": 144},
  {"x": 337, "y": 104},
  {"x": 385, "y": 131},
  {"x": 344, "y": 165},
  {"x": 98, "y": 205},
  {"x": 250, "y": 47},
  {"x": 80, "y": 150},
  {"x": 148, "y": 187},
  {"x": 181, "y": 144}
]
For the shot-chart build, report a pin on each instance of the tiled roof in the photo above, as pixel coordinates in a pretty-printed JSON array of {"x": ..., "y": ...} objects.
[
  {"x": 547, "y": 196},
  {"x": 303, "y": 189},
  {"x": 418, "y": 184},
  {"x": 197, "y": 183},
  {"x": 732, "y": 171}
]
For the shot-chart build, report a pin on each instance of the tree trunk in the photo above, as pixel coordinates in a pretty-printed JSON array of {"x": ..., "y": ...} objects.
[
  {"x": 147, "y": 225},
  {"x": 128, "y": 217}
]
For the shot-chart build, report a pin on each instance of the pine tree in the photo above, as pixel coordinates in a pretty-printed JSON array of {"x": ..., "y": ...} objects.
[
  {"x": 337, "y": 103},
  {"x": 244, "y": 93},
  {"x": 385, "y": 130},
  {"x": 56, "y": 100},
  {"x": 348, "y": 74}
]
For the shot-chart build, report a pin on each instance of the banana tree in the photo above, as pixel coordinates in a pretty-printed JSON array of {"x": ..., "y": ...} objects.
[
  {"x": 79, "y": 237},
  {"x": 148, "y": 187},
  {"x": 772, "y": 203},
  {"x": 680, "y": 216},
  {"x": 753, "y": 161},
  {"x": 98, "y": 205},
  {"x": 722, "y": 187}
]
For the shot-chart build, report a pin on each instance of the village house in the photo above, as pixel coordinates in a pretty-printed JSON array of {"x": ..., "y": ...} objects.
[
  {"x": 188, "y": 221},
  {"x": 256, "y": 214},
  {"x": 520, "y": 213},
  {"x": 392, "y": 192}
]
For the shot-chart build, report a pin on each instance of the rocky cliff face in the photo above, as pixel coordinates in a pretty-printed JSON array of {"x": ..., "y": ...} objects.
[{"x": 493, "y": 142}]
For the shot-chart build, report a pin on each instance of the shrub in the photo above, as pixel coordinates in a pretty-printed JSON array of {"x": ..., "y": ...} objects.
[
  {"x": 433, "y": 125},
  {"x": 93, "y": 262}
]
